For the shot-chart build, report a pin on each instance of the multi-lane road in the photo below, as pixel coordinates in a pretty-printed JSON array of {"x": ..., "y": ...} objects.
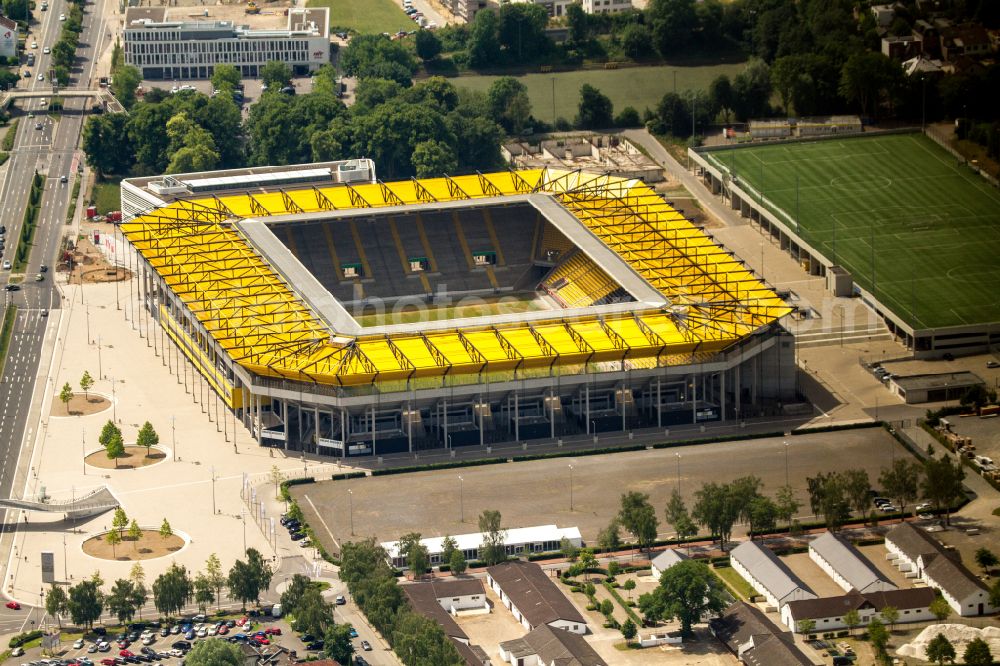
[{"x": 51, "y": 151}]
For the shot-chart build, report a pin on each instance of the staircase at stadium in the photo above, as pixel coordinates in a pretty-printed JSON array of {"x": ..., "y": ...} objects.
[{"x": 829, "y": 337}]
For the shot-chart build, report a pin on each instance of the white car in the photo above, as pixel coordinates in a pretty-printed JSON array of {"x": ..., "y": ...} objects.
[
  {"x": 924, "y": 506},
  {"x": 34, "y": 45},
  {"x": 148, "y": 640},
  {"x": 213, "y": 631},
  {"x": 17, "y": 652},
  {"x": 202, "y": 633},
  {"x": 46, "y": 50},
  {"x": 40, "y": 77},
  {"x": 6, "y": 265},
  {"x": 78, "y": 644},
  {"x": 62, "y": 17}
]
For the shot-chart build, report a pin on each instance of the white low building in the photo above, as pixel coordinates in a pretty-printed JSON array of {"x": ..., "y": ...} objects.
[
  {"x": 920, "y": 556},
  {"x": 768, "y": 574},
  {"x": 546, "y": 646},
  {"x": 8, "y": 37},
  {"x": 665, "y": 560},
  {"x": 532, "y": 598},
  {"x": 517, "y": 541},
  {"x": 846, "y": 566},
  {"x": 827, "y": 613}
]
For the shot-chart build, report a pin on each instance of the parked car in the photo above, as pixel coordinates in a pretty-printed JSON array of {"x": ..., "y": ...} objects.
[
  {"x": 341, "y": 600},
  {"x": 366, "y": 646},
  {"x": 13, "y": 605}
]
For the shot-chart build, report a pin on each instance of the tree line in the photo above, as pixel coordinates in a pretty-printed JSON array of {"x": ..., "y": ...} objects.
[{"x": 172, "y": 590}]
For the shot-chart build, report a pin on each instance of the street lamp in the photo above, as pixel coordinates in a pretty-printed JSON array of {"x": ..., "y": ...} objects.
[
  {"x": 243, "y": 517},
  {"x": 786, "y": 463},
  {"x": 570, "y": 487},
  {"x": 461, "y": 498},
  {"x": 213, "y": 490},
  {"x": 173, "y": 435},
  {"x": 350, "y": 499},
  {"x": 678, "y": 473}
]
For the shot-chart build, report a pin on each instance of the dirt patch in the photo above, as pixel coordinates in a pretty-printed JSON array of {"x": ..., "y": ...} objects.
[
  {"x": 80, "y": 405},
  {"x": 135, "y": 456},
  {"x": 149, "y": 546},
  {"x": 90, "y": 266}
]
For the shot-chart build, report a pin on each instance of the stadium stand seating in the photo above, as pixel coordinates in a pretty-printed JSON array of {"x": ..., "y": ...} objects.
[
  {"x": 554, "y": 241},
  {"x": 383, "y": 246},
  {"x": 579, "y": 282}
]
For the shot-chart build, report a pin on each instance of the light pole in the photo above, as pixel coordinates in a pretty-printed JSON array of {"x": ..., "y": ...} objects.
[
  {"x": 213, "y": 490},
  {"x": 678, "y": 473},
  {"x": 243, "y": 517},
  {"x": 786, "y": 463},
  {"x": 173, "y": 435},
  {"x": 461, "y": 499},
  {"x": 114, "y": 405},
  {"x": 65, "y": 565},
  {"x": 350, "y": 499},
  {"x": 83, "y": 450},
  {"x": 570, "y": 487}
]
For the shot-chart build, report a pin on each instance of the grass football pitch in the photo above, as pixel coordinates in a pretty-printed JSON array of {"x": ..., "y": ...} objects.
[
  {"x": 366, "y": 16},
  {"x": 638, "y": 87},
  {"x": 912, "y": 226}
]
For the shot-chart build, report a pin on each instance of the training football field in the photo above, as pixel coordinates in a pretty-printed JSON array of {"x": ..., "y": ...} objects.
[{"x": 912, "y": 226}]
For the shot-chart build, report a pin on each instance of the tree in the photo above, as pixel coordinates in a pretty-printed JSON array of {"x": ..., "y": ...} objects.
[
  {"x": 942, "y": 482},
  {"x": 688, "y": 591},
  {"x": 107, "y": 434},
  {"x": 856, "y": 487},
  {"x": 85, "y": 603},
  {"x": 628, "y": 117},
  {"x": 448, "y": 546},
  {"x": 786, "y": 504},
  {"x": 763, "y": 515},
  {"x": 214, "y": 652},
  {"x": 940, "y": 650},
  {"x": 139, "y": 596},
  {"x": 484, "y": 46},
  {"x": 940, "y": 609},
  {"x": 415, "y": 553},
  {"x": 120, "y": 601},
  {"x": 172, "y": 589},
  {"x": 608, "y": 538},
  {"x": 752, "y": 90},
  {"x": 126, "y": 81},
  {"x": 165, "y": 531},
  {"x": 247, "y": 579},
  {"x": 674, "y": 115},
  {"x": 878, "y": 636},
  {"x": 629, "y": 630},
  {"x": 806, "y": 626},
  {"x": 107, "y": 144},
  {"x": 637, "y": 516},
  {"x": 521, "y": 31},
  {"x": 852, "y": 619},
  {"x": 277, "y": 477},
  {"x": 613, "y": 569},
  {"x": 866, "y": 76},
  {"x": 213, "y": 571},
  {"x": 204, "y": 593},
  {"x": 147, "y": 437},
  {"x": 977, "y": 653},
  {"x": 595, "y": 110},
  {"x": 276, "y": 75},
  {"x": 294, "y": 593},
  {"x": 715, "y": 508},
  {"x": 673, "y": 23},
  {"x": 827, "y": 497},
  {"x": 587, "y": 562},
  {"x": 56, "y": 602},
  {"x": 509, "y": 104},
  {"x": 986, "y": 559},
  {"x": 901, "y": 482},
  {"x": 225, "y": 77},
  {"x": 607, "y": 608},
  {"x": 192, "y": 147},
  {"x": 134, "y": 531},
  {"x": 312, "y": 614},
  {"x": 66, "y": 395},
  {"x": 116, "y": 449},
  {"x": 628, "y": 586},
  {"x": 457, "y": 563},
  {"x": 339, "y": 645},
  {"x": 975, "y": 397},
  {"x": 433, "y": 159},
  {"x": 86, "y": 383},
  {"x": 492, "y": 550},
  {"x": 427, "y": 44},
  {"x": 569, "y": 550},
  {"x": 720, "y": 96},
  {"x": 113, "y": 537},
  {"x": 890, "y": 615},
  {"x": 677, "y": 516},
  {"x": 374, "y": 56}
]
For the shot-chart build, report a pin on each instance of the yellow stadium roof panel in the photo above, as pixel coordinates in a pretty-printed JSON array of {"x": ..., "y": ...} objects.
[{"x": 266, "y": 327}]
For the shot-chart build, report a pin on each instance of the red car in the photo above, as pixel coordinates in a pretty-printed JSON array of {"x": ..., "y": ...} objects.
[
  {"x": 125, "y": 653},
  {"x": 243, "y": 620},
  {"x": 108, "y": 662},
  {"x": 13, "y": 605},
  {"x": 223, "y": 630},
  {"x": 273, "y": 631}
]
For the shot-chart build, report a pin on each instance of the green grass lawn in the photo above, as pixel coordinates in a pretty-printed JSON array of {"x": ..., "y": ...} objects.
[
  {"x": 735, "y": 582},
  {"x": 912, "y": 226},
  {"x": 366, "y": 16},
  {"x": 106, "y": 196},
  {"x": 639, "y": 87}
]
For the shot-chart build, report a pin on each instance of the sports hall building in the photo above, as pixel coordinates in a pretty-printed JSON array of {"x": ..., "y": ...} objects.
[{"x": 338, "y": 314}]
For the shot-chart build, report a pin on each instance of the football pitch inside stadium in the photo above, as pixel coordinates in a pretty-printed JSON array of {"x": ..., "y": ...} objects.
[{"x": 913, "y": 227}]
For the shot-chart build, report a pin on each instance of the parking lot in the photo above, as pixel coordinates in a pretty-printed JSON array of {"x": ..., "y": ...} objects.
[{"x": 436, "y": 503}]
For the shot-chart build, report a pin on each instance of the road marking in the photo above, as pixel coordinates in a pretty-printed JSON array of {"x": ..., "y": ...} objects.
[{"x": 320, "y": 516}]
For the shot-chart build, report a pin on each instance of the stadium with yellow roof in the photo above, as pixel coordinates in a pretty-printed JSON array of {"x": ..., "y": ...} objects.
[{"x": 337, "y": 314}]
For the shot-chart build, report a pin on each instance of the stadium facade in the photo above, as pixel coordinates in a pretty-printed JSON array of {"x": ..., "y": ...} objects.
[{"x": 315, "y": 300}]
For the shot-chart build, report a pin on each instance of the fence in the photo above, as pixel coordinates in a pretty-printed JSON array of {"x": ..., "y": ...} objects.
[{"x": 941, "y": 139}]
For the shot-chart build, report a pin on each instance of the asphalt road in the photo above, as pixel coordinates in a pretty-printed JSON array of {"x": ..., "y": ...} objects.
[{"x": 50, "y": 150}]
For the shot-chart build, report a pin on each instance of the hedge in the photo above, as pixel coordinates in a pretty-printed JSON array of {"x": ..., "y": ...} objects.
[
  {"x": 834, "y": 428},
  {"x": 435, "y": 466},
  {"x": 344, "y": 476},
  {"x": 27, "y": 637},
  {"x": 299, "y": 482},
  {"x": 621, "y": 602}
]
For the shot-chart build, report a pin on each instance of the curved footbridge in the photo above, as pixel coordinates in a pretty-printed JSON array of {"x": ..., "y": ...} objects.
[{"x": 93, "y": 503}]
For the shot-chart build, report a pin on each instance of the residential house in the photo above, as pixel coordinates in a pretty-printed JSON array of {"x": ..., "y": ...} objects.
[
  {"x": 828, "y": 613},
  {"x": 969, "y": 39},
  {"x": 919, "y": 555},
  {"x": 531, "y": 596},
  {"x": 665, "y": 560},
  {"x": 768, "y": 574},
  {"x": 547, "y": 646},
  {"x": 754, "y": 639},
  {"x": 440, "y": 600}
]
